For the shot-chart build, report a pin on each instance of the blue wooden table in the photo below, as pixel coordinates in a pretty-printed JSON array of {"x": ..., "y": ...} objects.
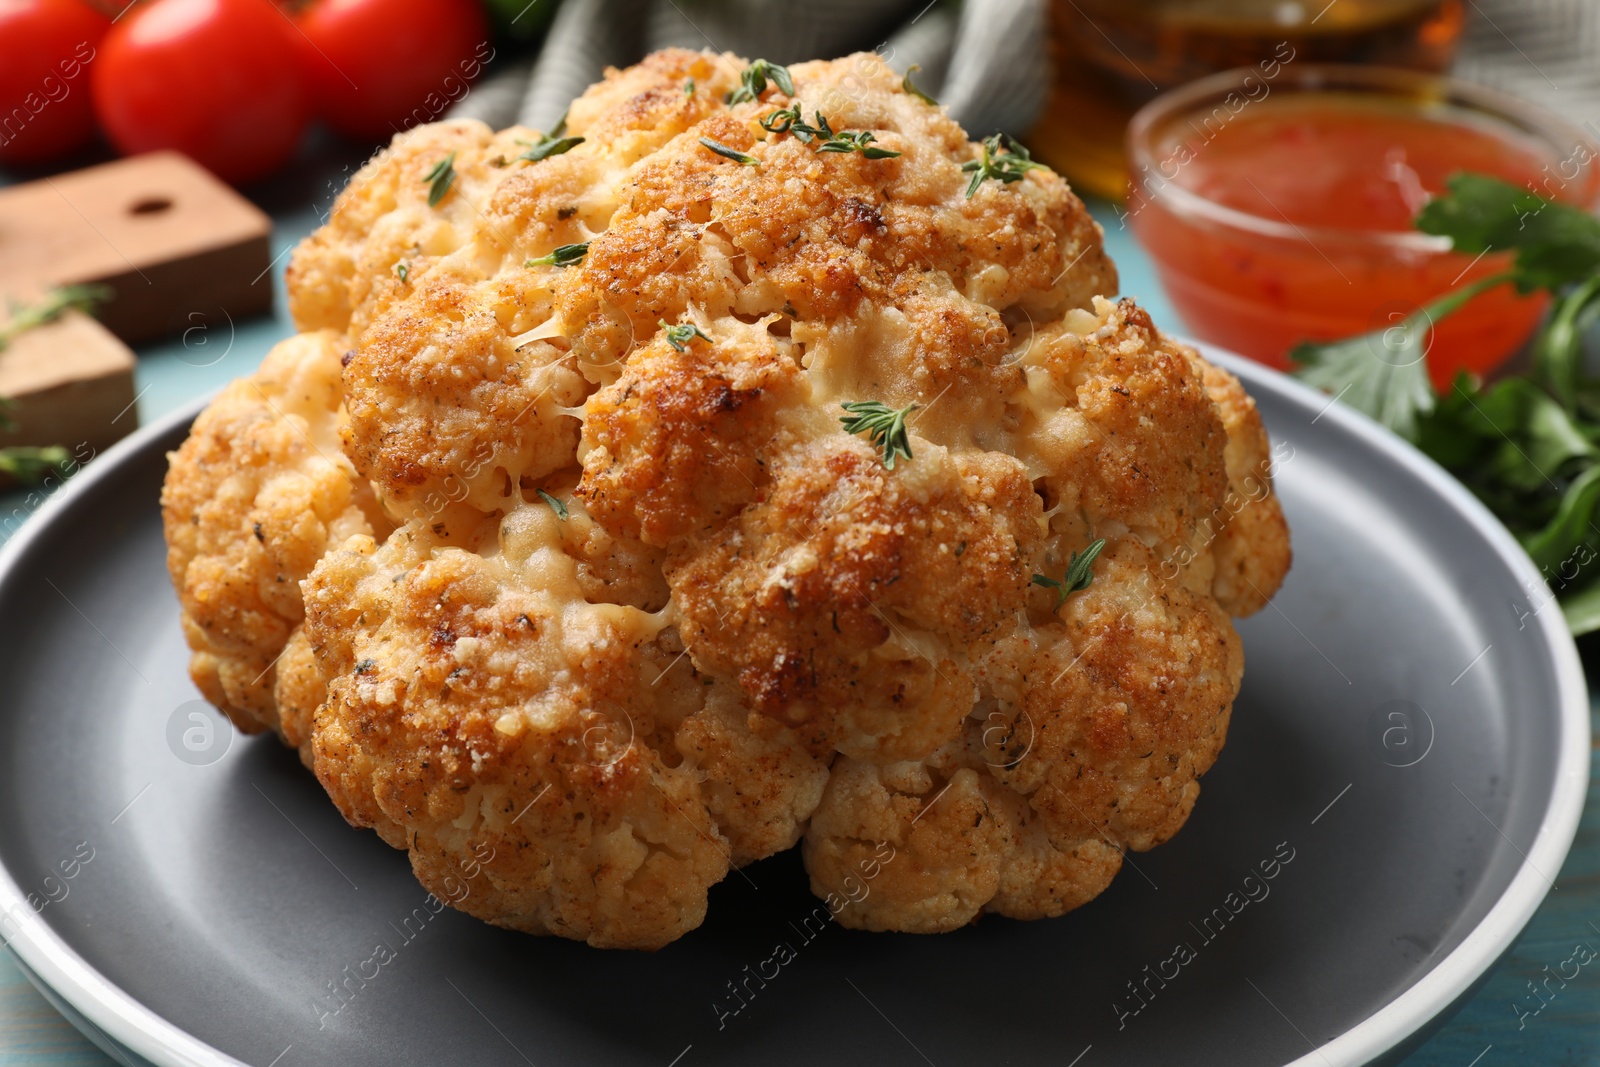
[{"x": 1488, "y": 1032}]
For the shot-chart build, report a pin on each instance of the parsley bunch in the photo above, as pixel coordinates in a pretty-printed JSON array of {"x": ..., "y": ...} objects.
[{"x": 1527, "y": 444}]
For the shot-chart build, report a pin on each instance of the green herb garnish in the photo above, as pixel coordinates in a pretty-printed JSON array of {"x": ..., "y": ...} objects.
[
  {"x": 783, "y": 120},
  {"x": 681, "y": 335},
  {"x": 907, "y": 86},
  {"x": 555, "y": 505},
  {"x": 31, "y": 464},
  {"x": 563, "y": 256},
  {"x": 884, "y": 425},
  {"x": 553, "y": 143},
  {"x": 790, "y": 120},
  {"x": 857, "y": 141},
  {"x": 440, "y": 179},
  {"x": 1529, "y": 444},
  {"x": 1079, "y": 576},
  {"x": 402, "y": 270},
  {"x": 732, "y": 153},
  {"x": 753, "y": 82},
  {"x": 688, "y": 87},
  {"x": 1001, "y": 158},
  {"x": 50, "y": 307}
]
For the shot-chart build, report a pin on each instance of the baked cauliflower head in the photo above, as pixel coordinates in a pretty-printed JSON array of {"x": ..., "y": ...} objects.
[{"x": 753, "y": 460}]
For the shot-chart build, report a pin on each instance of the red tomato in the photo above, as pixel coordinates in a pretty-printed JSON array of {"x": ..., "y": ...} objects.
[
  {"x": 218, "y": 80},
  {"x": 378, "y": 66},
  {"x": 45, "y": 49}
]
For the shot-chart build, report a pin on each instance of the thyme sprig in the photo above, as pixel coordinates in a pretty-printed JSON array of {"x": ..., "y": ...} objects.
[
  {"x": 753, "y": 82},
  {"x": 857, "y": 141},
  {"x": 790, "y": 120},
  {"x": 27, "y": 463},
  {"x": 885, "y": 426},
  {"x": 50, "y": 307},
  {"x": 563, "y": 256},
  {"x": 1079, "y": 574},
  {"x": 1000, "y": 158}
]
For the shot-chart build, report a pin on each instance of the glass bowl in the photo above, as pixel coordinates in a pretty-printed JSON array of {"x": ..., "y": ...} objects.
[{"x": 1259, "y": 281}]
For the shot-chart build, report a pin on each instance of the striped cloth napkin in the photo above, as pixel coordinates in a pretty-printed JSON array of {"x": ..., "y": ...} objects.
[{"x": 985, "y": 59}]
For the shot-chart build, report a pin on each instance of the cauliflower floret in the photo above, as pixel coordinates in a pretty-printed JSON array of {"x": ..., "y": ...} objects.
[
  {"x": 1088, "y": 739},
  {"x": 551, "y": 764},
  {"x": 650, "y": 610},
  {"x": 254, "y": 497},
  {"x": 1093, "y": 724}
]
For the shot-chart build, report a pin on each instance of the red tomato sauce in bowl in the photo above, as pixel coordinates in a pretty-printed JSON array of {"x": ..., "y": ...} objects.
[{"x": 1279, "y": 209}]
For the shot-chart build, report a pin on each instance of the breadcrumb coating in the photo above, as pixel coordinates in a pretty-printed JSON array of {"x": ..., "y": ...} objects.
[
  {"x": 252, "y": 500},
  {"x": 648, "y": 611}
]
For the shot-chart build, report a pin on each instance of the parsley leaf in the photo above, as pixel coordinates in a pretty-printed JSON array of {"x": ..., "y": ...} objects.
[
  {"x": 1555, "y": 244},
  {"x": 884, "y": 426},
  {"x": 1527, "y": 445}
]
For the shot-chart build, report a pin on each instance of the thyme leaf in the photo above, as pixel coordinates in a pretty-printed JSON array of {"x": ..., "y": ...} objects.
[
  {"x": 553, "y": 143},
  {"x": 681, "y": 335},
  {"x": 563, "y": 256},
  {"x": 555, "y": 505},
  {"x": 732, "y": 153},
  {"x": 440, "y": 179},
  {"x": 907, "y": 86}
]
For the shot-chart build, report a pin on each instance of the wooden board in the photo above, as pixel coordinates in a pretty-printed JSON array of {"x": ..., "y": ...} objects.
[
  {"x": 69, "y": 383},
  {"x": 175, "y": 245}
]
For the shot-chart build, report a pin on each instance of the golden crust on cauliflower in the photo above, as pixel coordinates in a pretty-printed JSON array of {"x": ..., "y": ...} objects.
[
  {"x": 557, "y": 758},
  {"x": 650, "y": 610},
  {"x": 252, "y": 500}
]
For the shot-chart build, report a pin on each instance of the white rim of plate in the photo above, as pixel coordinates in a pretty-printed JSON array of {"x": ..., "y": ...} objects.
[{"x": 128, "y": 1023}]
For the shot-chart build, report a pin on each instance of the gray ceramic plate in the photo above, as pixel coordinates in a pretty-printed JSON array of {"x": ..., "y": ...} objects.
[{"x": 1408, "y": 758}]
